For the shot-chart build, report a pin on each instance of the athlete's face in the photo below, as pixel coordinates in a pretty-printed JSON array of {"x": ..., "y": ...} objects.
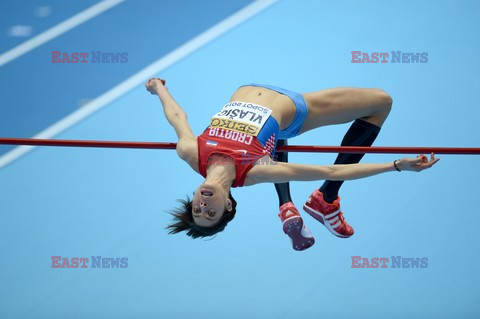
[{"x": 209, "y": 204}]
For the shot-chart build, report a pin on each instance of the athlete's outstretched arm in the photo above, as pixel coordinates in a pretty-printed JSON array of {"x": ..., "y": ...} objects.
[
  {"x": 284, "y": 172},
  {"x": 177, "y": 117},
  {"x": 173, "y": 112}
]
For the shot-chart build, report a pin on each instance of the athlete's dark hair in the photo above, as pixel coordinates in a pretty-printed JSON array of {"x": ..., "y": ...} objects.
[{"x": 183, "y": 220}]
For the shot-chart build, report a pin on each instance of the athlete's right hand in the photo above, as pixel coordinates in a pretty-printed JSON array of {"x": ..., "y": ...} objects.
[
  {"x": 417, "y": 164},
  {"x": 154, "y": 84}
]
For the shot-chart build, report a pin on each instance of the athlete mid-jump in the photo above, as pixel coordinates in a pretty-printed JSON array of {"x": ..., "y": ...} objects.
[{"x": 238, "y": 149}]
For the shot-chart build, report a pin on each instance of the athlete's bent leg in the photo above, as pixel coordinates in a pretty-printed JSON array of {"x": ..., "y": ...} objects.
[
  {"x": 369, "y": 108},
  {"x": 292, "y": 222}
]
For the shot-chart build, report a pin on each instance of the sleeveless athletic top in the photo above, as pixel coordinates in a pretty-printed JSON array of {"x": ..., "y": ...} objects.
[{"x": 245, "y": 132}]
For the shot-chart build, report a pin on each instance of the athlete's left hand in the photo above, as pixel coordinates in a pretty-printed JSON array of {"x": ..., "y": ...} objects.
[{"x": 417, "y": 164}]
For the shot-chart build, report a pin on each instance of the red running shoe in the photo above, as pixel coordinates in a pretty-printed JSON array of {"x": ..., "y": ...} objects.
[
  {"x": 293, "y": 226},
  {"x": 328, "y": 214}
]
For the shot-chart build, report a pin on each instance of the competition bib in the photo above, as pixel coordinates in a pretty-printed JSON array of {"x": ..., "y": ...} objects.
[{"x": 241, "y": 117}]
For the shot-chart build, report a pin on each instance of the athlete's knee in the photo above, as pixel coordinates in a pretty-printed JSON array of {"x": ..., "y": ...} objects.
[{"x": 385, "y": 101}]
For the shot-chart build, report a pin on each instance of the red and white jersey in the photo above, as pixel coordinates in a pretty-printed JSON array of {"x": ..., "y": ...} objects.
[{"x": 245, "y": 132}]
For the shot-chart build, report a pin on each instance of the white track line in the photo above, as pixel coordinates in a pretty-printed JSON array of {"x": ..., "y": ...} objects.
[
  {"x": 138, "y": 78},
  {"x": 57, "y": 30}
]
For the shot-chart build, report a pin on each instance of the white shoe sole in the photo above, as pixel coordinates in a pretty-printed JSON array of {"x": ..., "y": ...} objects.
[{"x": 299, "y": 234}]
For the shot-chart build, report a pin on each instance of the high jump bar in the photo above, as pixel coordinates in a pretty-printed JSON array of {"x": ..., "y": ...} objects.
[{"x": 289, "y": 148}]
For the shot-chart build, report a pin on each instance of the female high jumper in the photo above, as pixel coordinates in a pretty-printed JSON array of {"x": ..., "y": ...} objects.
[{"x": 238, "y": 149}]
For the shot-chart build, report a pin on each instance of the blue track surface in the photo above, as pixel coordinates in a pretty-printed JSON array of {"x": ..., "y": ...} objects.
[
  {"x": 145, "y": 30},
  {"x": 112, "y": 203}
]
